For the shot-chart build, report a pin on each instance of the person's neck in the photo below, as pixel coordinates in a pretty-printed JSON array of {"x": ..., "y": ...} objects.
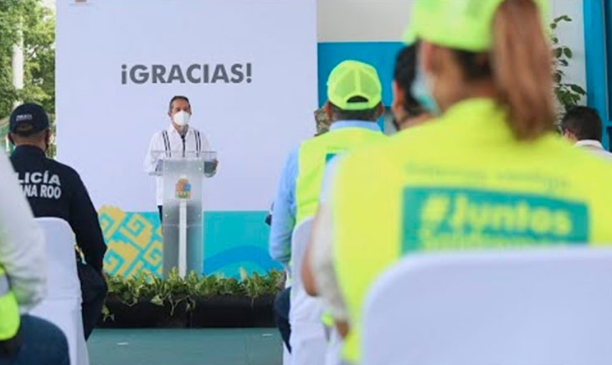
[
  {"x": 40, "y": 146},
  {"x": 181, "y": 130},
  {"x": 473, "y": 90}
]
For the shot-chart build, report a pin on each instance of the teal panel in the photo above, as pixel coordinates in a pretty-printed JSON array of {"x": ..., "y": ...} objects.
[
  {"x": 232, "y": 240},
  {"x": 236, "y": 239}
]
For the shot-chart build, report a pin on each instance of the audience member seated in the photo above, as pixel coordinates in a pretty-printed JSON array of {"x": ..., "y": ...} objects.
[
  {"x": 582, "y": 126},
  {"x": 485, "y": 71},
  {"x": 56, "y": 190},
  {"x": 24, "y": 339}
]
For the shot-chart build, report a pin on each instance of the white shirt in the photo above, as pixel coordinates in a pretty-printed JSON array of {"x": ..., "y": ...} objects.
[
  {"x": 595, "y": 147},
  {"x": 194, "y": 141},
  {"x": 22, "y": 241},
  {"x": 322, "y": 250}
]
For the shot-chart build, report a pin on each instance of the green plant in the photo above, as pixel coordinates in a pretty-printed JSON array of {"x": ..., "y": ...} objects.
[
  {"x": 175, "y": 290},
  {"x": 568, "y": 94}
]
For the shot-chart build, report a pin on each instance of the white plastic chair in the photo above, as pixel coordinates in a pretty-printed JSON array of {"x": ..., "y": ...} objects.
[
  {"x": 308, "y": 341},
  {"x": 538, "y": 307},
  {"x": 62, "y": 305},
  {"x": 333, "y": 354}
]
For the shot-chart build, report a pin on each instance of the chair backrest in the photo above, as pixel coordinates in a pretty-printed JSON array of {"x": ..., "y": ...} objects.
[
  {"x": 548, "y": 307},
  {"x": 63, "y": 280},
  {"x": 299, "y": 240}
]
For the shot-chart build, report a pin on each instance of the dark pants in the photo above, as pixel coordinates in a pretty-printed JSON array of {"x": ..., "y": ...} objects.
[
  {"x": 282, "y": 304},
  {"x": 161, "y": 213},
  {"x": 94, "y": 290},
  {"x": 43, "y": 344}
]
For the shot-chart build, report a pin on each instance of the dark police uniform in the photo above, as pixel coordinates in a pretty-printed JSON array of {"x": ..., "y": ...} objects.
[{"x": 56, "y": 190}]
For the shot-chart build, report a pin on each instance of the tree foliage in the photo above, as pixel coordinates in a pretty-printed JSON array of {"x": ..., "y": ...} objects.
[
  {"x": 34, "y": 24},
  {"x": 39, "y": 42},
  {"x": 568, "y": 94},
  {"x": 10, "y": 13}
]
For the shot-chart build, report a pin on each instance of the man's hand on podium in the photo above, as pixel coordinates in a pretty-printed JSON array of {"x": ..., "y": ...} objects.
[
  {"x": 159, "y": 166},
  {"x": 210, "y": 167}
]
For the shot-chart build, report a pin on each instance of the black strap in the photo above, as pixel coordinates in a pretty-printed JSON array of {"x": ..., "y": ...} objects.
[
  {"x": 198, "y": 141},
  {"x": 166, "y": 142}
]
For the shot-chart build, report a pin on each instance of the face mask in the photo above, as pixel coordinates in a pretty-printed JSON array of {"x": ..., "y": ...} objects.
[
  {"x": 421, "y": 90},
  {"x": 181, "y": 118}
]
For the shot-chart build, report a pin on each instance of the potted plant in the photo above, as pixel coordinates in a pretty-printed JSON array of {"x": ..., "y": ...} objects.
[
  {"x": 231, "y": 303},
  {"x": 146, "y": 301}
]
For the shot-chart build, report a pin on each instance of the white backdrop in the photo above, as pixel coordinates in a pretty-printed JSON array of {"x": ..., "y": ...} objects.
[{"x": 105, "y": 119}]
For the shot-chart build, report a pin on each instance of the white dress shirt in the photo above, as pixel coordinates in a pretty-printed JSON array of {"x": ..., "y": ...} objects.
[
  {"x": 194, "y": 141},
  {"x": 595, "y": 147},
  {"x": 22, "y": 241}
]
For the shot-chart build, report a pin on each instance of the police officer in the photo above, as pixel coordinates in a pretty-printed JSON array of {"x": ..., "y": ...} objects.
[
  {"x": 24, "y": 339},
  {"x": 56, "y": 190}
]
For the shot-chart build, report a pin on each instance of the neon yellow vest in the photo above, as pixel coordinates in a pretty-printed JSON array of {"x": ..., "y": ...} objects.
[
  {"x": 313, "y": 156},
  {"x": 9, "y": 310},
  {"x": 461, "y": 182}
]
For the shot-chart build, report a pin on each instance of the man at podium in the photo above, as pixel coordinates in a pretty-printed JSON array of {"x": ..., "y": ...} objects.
[{"x": 179, "y": 137}]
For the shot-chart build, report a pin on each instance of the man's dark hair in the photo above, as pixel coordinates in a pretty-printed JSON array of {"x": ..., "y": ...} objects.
[
  {"x": 175, "y": 98},
  {"x": 583, "y": 122},
  {"x": 404, "y": 75},
  {"x": 368, "y": 115},
  {"x": 16, "y": 138}
]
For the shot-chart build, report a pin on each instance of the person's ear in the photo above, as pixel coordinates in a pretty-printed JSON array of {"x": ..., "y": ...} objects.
[
  {"x": 328, "y": 110},
  {"x": 427, "y": 57},
  {"x": 399, "y": 95},
  {"x": 10, "y": 138},
  {"x": 570, "y": 136},
  {"x": 380, "y": 110}
]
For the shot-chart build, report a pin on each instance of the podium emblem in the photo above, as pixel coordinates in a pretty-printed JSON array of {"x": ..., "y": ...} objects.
[{"x": 183, "y": 189}]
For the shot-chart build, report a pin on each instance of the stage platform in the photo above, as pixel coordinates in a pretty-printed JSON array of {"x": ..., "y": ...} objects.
[{"x": 186, "y": 347}]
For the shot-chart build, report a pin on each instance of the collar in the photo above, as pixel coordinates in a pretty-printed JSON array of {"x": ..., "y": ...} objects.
[
  {"x": 480, "y": 115},
  {"x": 28, "y": 150},
  {"x": 473, "y": 107},
  {"x": 171, "y": 129},
  {"x": 589, "y": 143},
  {"x": 341, "y": 124}
]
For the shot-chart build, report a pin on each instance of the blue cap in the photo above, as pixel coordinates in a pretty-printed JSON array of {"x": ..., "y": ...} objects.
[{"x": 28, "y": 119}]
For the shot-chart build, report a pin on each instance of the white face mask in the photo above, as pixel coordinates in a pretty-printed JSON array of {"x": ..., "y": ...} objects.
[{"x": 181, "y": 118}]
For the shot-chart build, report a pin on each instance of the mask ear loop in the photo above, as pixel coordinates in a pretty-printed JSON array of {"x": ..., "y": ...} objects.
[{"x": 398, "y": 123}]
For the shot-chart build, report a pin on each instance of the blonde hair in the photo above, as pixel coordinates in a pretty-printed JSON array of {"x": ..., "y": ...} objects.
[{"x": 522, "y": 68}]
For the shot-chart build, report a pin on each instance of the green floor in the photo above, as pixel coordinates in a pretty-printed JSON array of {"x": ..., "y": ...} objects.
[{"x": 186, "y": 347}]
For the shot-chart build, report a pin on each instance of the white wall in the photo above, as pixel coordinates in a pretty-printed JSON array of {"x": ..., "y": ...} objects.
[
  {"x": 362, "y": 20},
  {"x": 385, "y": 20},
  {"x": 235, "y": 112},
  {"x": 572, "y": 35}
]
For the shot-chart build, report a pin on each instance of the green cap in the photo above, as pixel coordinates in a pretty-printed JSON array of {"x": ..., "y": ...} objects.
[
  {"x": 459, "y": 24},
  {"x": 351, "y": 79}
]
